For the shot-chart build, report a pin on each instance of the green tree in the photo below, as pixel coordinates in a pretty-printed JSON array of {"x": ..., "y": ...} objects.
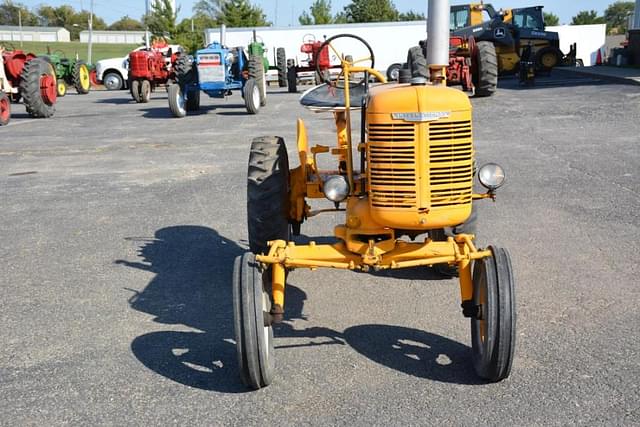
[
  {"x": 10, "y": 13},
  {"x": 551, "y": 19},
  {"x": 126, "y": 24},
  {"x": 190, "y": 31},
  {"x": 241, "y": 13},
  {"x": 617, "y": 16},
  {"x": 340, "y": 18},
  {"x": 210, "y": 8},
  {"x": 162, "y": 20},
  {"x": 411, "y": 16},
  {"x": 587, "y": 17},
  {"x": 371, "y": 11},
  {"x": 320, "y": 14}
]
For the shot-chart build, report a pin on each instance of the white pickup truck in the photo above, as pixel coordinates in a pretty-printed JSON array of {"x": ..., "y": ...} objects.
[{"x": 113, "y": 73}]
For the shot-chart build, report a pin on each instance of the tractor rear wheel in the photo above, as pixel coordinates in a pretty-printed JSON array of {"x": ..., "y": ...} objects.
[
  {"x": 38, "y": 88},
  {"x": 252, "y": 323},
  {"x": 256, "y": 72},
  {"x": 485, "y": 79},
  {"x": 493, "y": 327},
  {"x": 81, "y": 78},
  {"x": 292, "y": 79},
  {"x": 417, "y": 62},
  {"x": 267, "y": 193},
  {"x": 134, "y": 88},
  {"x": 61, "y": 88},
  {"x": 183, "y": 68},
  {"x": 145, "y": 91},
  {"x": 251, "y": 93},
  {"x": 176, "y": 101},
  {"x": 281, "y": 64},
  {"x": 5, "y": 109}
]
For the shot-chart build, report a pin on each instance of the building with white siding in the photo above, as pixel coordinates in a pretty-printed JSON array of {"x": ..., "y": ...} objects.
[
  {"x": 34, "y": 34},
  {"x": 113, "y": 37}
]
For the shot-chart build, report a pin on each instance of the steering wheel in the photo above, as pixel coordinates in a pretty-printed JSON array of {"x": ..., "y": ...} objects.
[{"x": 325, "y": 77}]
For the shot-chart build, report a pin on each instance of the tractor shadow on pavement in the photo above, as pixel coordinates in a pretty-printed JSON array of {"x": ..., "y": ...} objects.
[{"x": 116, "y": 101}]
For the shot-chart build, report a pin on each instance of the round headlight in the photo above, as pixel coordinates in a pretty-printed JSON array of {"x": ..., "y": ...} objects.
[
  {"x": 491, "y": 176},
  {"x": 336, "y": 188}
]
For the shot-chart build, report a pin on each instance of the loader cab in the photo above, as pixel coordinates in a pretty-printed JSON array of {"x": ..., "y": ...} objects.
[
  {"x": 530, "y": 18},
  {"x": 468, "y": 15}
]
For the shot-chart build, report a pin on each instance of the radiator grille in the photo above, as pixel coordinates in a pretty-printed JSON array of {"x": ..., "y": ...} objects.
[
  {"x": 451, "y": 159},
  {"x": 392, "y": 160}
]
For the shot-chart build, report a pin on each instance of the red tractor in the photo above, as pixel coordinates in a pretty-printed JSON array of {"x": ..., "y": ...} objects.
[
  {"x": 149, "y": 68},
  {"x": 311, "y": 47},
  {"x": 22, "y": 75}
]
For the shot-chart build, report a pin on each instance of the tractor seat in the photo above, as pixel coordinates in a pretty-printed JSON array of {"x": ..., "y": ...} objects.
[{"x": 330, "y": 98}]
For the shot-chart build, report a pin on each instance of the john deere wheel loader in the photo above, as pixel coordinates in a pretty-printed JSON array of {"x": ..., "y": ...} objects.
[{"x": 414, "y": 179}]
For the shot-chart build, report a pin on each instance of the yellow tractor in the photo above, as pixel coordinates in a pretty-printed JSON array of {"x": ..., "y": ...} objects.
[{"x": 406, "y": 205}]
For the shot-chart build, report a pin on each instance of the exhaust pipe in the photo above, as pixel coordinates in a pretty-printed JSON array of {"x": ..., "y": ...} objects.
[
  {"x": 438, "y": 40},
  {"x": 223, "y": 35}
]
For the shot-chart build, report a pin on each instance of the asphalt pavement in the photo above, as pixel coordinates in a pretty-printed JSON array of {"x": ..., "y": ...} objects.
[{"x": 119, "y": 227}]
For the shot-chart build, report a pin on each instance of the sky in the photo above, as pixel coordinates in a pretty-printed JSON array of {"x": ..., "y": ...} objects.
[{"x": 286, "y": 12}]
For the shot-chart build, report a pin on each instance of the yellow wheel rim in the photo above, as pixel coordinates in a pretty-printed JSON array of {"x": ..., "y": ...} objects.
[
  {"x": 85, "y": 81},
  {"x": 549, "y": 60},
  {"x": 62, "y": 88}
]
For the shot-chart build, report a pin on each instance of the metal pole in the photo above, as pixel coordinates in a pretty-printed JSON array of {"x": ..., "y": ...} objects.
[
  {"x": 636, "y": 18},
  {"x": 20, "y": 24},
  {"x": 90, "y": 33}
]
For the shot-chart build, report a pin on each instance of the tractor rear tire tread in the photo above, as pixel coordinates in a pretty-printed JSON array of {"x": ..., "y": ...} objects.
[
  {"x": 193, "y": 101},
  {"x": 417, "y": 62},
  {"x": 30, "y": 88},
  {"x": 486, "y": 79},
  {"x": 5, "y": 109},
  {"x": 292, "y": 79},
  {"x": 256, "y": 72},
  {"x": 185, "y": 71},
  {"x": 281, "y": 64},
  {"x": 267, "y": 193}
]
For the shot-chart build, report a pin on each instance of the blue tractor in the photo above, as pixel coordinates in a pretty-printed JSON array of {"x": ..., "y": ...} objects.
[{"x": 217, "y": 71}]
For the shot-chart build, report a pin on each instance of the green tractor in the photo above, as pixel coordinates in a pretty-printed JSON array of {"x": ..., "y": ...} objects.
[
  {"x": 257, "y": 48},
  {"x": 69, "y": 72}
]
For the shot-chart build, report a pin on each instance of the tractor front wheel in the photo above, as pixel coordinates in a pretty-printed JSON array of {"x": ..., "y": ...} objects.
[
  {"x": 145, "y": 91},
  {"x": 5, "y": 109},
  {"x": 134, "y": 88},
  {"x": 393, "y": 72},
  {"x": 81, "y": 78},
  {"x": 38, "y": 88},
  {"x": 251, "y": 93},
  {"x": 61, "y": 88},
  {"x": 267, "y": 193},
  {"x": 176, "y": 101},
  {"x": 493, "y": 327},
  {"x": 252, "y": 323}
]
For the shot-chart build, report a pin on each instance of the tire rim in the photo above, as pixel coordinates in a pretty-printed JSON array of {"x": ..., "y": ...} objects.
[
  {"x": 62, "y": 88},
  {"x": 256, "y": 96},
  {"x": 549, "y": 60},
  {"x": 264, "y": 84},
  {"x": 394, "y": 73},
  {"x": 112, "y": 82},
  {"x": 48, "y": 90},
  {"x": 4, "y": 109},
  {"x": 85, "y": 80}
]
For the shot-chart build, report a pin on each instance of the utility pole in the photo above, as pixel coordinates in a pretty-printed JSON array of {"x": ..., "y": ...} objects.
[
  {"x": 20, "y": 24},
  {"x": 90, "y": 32}
]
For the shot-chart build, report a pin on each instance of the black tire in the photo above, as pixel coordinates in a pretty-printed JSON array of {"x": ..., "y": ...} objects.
[
  {"x": 145, "y": 91},
  {"x": 256, "y": 72},
  {"x": 281, "y": 64},
  {"x": 32, "y": 73},
  {"x": 113, "y": 81},
  {"x": 193, "y": 100},
  {"x": 417, "y": 62},
  {"x": 252, "y": 326},
  {"x": 81, "y": 78},
  {"x": 5, "y": 109},
  {"x": 493, "y": 329},
  {"x": 485, "y": 79},
  {"x": 251, "y": 93},
  {"x": 547, "y": 58},
  {"x": 393, "y": 72},
  {"x": 176, "y": 101},
  {"x": 267, "y": 193},
  {"x": 185, "y": 71},
  {"x": 292, "y": 79},
  {"x": 134, "y": 88}
]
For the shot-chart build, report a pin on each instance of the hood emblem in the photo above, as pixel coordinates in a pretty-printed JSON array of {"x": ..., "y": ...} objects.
[{"x": 422, "y": 117}]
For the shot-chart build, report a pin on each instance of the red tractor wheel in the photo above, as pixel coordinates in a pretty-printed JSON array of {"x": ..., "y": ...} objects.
[
  {"x": 93, "y": 76},
  {"x": 38, "y": 88},
  {"x": 5, "y": 109}
]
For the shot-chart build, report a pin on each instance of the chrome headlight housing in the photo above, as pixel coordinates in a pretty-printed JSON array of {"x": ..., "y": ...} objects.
[
  {"x": 336, "y": 188},
  {"x": 491, "y": 176}
]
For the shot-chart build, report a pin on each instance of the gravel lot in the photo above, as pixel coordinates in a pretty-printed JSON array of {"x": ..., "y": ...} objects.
[{"x": 120, "y": 226}]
